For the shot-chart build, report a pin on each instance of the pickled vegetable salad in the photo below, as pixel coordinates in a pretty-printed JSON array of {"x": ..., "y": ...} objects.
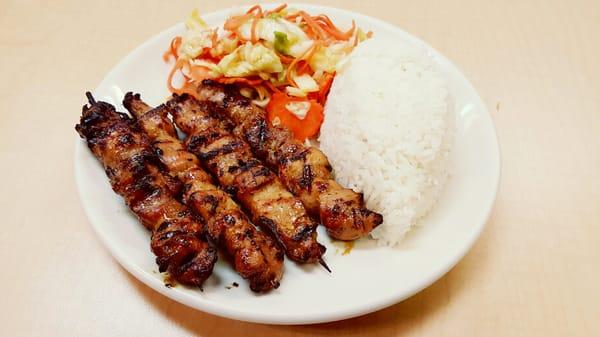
[{"x": 283, "y": 59}]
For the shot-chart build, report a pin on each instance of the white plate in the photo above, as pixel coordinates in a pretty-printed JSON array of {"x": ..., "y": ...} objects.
[{"x": 369, "y": 277}]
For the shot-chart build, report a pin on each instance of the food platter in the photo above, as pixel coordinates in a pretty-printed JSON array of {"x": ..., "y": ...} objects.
[{"x": 363, "y": 279}]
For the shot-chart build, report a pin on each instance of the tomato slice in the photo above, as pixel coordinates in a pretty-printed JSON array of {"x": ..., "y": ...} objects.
[{"x": 307, "y": 127}]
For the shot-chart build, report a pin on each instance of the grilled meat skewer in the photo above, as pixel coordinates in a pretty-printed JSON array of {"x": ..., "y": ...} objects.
[
  {"x": 305, "y": 171},
  {"x": 256, "y": 257},
  {"x": 231, "y": 161},
  {"x": 136, "y": 174}
]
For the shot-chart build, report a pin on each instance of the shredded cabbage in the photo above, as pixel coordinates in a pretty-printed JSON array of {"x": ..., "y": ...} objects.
[
  {"x": 196, "y": 37},
  {"x": 293, "y": 91},
  {"x": 194, "y": 21},
  {"x": 269, "y": 28},
  {"x": 361, "y": 35},
  {"x": 193, "y": 42},
  {"x": 225, "y": 46},
  {"x": 306, "y": 83},
  {"x": 249, "y": 59},
  {"x": 328, "y": 59}
]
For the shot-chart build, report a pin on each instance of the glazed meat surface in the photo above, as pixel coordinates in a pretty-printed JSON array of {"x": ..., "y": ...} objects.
[
  {"x": 305, "y": 171},
  {"x": 137, "y": 175},
  {"x": 231, "y": 161},
  {"x": 255, "y": 256}
]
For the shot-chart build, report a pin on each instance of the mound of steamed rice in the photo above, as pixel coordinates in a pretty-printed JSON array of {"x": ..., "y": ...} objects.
[{"x": 388, "y": 132}]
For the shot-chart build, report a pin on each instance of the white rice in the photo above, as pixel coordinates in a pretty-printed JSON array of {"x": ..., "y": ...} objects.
[{"x": 388, "y": 132}]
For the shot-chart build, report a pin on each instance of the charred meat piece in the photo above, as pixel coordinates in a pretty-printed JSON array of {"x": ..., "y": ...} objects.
[
  {"x": 256, "y": 257},
  {"x": 231, "y": 161},
  {"x": 137, "y": 175},
  {"x": 304, "y": 170}
]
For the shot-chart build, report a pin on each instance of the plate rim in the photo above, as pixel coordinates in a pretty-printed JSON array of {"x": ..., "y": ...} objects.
[{"x": 227, "y": 311}]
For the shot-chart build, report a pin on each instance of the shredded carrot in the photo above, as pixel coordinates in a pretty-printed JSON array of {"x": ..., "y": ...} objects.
[
  {"x": 292, "y": 16},
  {"x": 369, "y": 34},
  {"x": 188, "y": 87},
  {"x": 309, "y": 32},
  {"x": 199, "y": 73},
  {"x": 284, "y": 58},
  {"x": 213, "y": 38},
  {"x": 167, "y": 56},
  {"x": 255, "y": 8},
  {"x": 235, "y": 22},
  {"x": 327, "y": 21},
  {"x": 175, "y": 43},
  {"x": 255, "y": 12},
  {"x": 207, "y": 56},
  {"x": 303, "y": 68},
  {"x": 325, "y": 86},
  {"x": 276, "y": 9},
  {"x": 178, "y": 66},
  {"x": 243, "y": 80},
  {"x": 195, "y": 74},
  {"x": 330, "y": 28},
  {"x": 307, "y": 54},
  {"x": 336, "y": 34},
  {"x": 355, "y": 43},
  {"x": 272, "y": 87},
  {"x": 313, "y": 25},
  {"x": 351, "y": 31},
  {"x": 253, "y": 36}
]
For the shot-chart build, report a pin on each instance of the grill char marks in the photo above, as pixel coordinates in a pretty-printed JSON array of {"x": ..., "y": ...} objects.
[
  {"x": 305, "y": 171},
  {"x": 258, "y": 189},
  {"x": 135, "y": 174},
  {"x": 255, "y": 256}
]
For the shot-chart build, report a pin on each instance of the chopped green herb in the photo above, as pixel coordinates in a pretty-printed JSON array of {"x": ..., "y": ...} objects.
[{"x": 282, "y": 44}]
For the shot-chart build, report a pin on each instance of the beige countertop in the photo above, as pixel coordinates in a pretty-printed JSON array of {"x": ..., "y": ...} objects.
[{"x": 533, "y": 272}]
